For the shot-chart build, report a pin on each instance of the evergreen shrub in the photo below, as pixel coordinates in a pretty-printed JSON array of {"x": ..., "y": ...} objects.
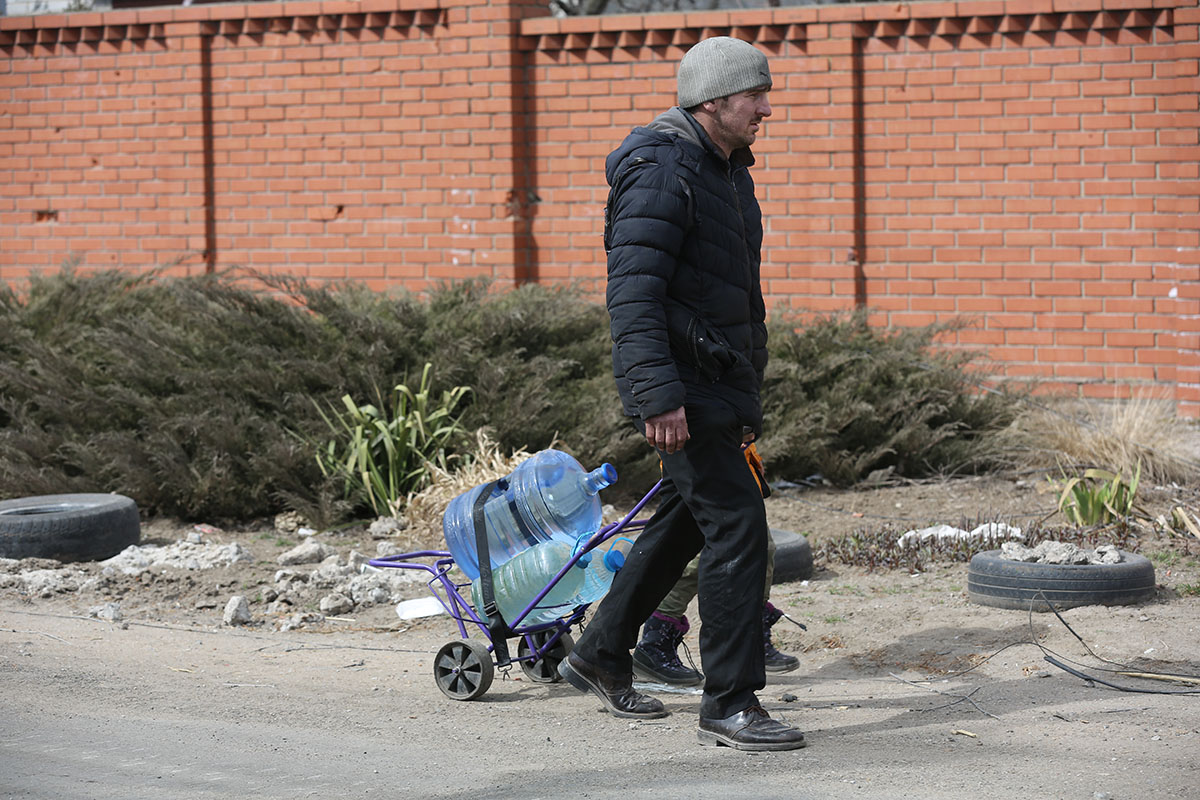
[
  {"x": 195, "y": 396},
  {"x": 850, "y": 403}
]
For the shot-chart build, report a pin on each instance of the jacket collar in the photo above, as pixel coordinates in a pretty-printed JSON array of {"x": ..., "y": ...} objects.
[{"x": 682, "y": 123}]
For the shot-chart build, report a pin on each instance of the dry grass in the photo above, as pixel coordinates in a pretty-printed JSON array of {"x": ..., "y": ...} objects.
[
  {"x": 1115, "y": 436},
  {"x": 425, "y": 509}
]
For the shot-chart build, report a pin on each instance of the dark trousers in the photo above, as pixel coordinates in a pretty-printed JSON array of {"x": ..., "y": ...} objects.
[{"x": 709, "y": 504}]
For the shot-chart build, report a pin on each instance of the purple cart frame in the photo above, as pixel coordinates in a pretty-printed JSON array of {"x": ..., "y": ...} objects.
[{"x": 464, "y": 669}]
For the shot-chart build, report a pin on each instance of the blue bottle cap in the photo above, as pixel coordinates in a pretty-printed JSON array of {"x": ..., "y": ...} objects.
[{"x": 614, "y": 559}]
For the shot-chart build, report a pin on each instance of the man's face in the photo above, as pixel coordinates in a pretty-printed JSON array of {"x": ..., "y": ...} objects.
[{"x": 737, "y": 118}]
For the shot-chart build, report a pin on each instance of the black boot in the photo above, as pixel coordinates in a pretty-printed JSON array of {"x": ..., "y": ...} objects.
[
  {"x": 775, "y": 660},
  {"x": 614, "y": 690},
  {"x": 655, "y": 657},
  {"x": 751, "y": 729}
]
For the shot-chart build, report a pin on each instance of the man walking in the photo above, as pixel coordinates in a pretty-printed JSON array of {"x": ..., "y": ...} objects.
[{"x": 683, "y": 231}]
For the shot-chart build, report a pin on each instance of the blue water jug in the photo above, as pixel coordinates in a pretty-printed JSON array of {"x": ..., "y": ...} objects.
[
  {"x": 599, "y": 565},
  {"x": 548, "y": 496},
  {"x": 520, "y": 579}
]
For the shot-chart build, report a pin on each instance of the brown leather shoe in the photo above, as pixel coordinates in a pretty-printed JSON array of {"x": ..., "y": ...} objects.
[
  {"x": 751, "y": 729},
  {"x": 615, "y": 691}
]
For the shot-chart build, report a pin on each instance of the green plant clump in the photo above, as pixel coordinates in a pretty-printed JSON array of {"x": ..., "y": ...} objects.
[
  {"x": 1098, "y": 496},
  {"x": 383, "y": 452}
]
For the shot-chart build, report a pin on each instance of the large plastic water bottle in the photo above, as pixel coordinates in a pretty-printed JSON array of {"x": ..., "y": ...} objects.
[
  {"x": 600, "y": 564},
  {"x": 548, "y": 496},
  {"x": 517, "y": 581}
]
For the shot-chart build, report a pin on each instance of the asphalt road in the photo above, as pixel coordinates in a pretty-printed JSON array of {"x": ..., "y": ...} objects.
[{"x": 95, "y": 710}]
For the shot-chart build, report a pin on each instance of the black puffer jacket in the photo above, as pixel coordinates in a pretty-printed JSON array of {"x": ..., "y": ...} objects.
[{"x": 683, "y": 233}]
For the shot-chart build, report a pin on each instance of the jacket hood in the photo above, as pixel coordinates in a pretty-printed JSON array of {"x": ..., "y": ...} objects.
[{"x": 670, "y": 127}]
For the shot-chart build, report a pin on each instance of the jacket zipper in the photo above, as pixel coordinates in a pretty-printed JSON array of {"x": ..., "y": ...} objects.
[{"x": 737, "y": 201}]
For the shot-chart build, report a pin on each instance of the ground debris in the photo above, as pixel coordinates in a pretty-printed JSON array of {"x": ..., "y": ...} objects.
[
  {"x": 136, "y": 559},
  {"x": 991, "y": 531},
  {"x": 310, "y": 552},
  {"x": 237, "y": 611},
  {"x": 108, "y": 611},
  {"x": 1060, "y": 553}
]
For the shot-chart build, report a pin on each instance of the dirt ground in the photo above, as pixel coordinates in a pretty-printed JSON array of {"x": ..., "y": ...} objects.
[{"x": 906, "y": 688}]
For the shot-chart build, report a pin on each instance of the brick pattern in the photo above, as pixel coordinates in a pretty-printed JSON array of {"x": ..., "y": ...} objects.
[{"x": 1028, "y": 164}]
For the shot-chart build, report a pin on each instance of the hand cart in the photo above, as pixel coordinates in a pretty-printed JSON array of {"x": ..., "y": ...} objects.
[{"x": 464, "y": 668}]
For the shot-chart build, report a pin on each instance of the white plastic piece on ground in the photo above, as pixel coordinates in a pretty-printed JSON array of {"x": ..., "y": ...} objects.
[
  {"x": 420, "y": 607},
  {"x": 996, "y": 530},
  {"x": 655, "y": 687},
  {"x": 988, "y": 531}
]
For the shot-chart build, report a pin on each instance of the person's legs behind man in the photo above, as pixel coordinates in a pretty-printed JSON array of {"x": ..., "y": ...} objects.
[
  {"x": 601, "y": 661},
  {"x": 656, "y": 657}
]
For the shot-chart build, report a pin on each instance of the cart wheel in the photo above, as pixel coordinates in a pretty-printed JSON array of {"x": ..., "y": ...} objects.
[
  {"x": 463, "y": 669},
  {"x": 545, "y": 669}
]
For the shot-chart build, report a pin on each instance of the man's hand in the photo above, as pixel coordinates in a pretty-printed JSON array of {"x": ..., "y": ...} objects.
[{"x": 668, "y": 432}]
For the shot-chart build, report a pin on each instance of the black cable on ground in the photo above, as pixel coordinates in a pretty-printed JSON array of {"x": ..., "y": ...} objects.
[
  {"x": 1057, "y": 659},
  {"x": 1094, "y": 679},
  {"x": 1046, "y": 655}
]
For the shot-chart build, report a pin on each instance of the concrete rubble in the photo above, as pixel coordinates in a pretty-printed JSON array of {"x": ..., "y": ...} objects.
[
  {"x": 43, "y": 582},
  {"x": 237, "y": 611},
  {"x": 187, "y": 554},
  {"x": 310, "y": 552},
  {"x": 312, "y": 574},
  {"x": 387, "y": 527},
  {"x": 1060, "y": 553},
  {"x": 292, "y": 522},
  {"x": 110, "y": 612}
]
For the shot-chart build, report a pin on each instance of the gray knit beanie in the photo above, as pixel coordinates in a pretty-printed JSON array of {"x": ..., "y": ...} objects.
[{"x": 718, "y": 67}]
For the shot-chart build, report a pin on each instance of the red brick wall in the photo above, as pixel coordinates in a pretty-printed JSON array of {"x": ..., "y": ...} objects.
[{"x": 1031, "y": 164}]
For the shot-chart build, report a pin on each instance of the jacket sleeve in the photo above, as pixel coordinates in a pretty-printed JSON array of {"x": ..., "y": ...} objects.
[{"x": 648, "y": 213}]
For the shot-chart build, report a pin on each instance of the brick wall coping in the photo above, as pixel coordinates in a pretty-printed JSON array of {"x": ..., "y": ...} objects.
[
  {"x": 931, "y": 18},
  {"x": 158, "y": 22},
  {"x": 796, "y": 23}
]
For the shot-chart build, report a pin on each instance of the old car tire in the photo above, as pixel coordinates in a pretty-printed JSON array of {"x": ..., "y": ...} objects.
[
  {"x": 1003, "y": 583},
  {"x": 68, "y": 527},
  {"x": 793, "y": 557}
]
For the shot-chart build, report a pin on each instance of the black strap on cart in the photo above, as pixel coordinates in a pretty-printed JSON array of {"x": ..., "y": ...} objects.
[{"x": 498, "y": 629}]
